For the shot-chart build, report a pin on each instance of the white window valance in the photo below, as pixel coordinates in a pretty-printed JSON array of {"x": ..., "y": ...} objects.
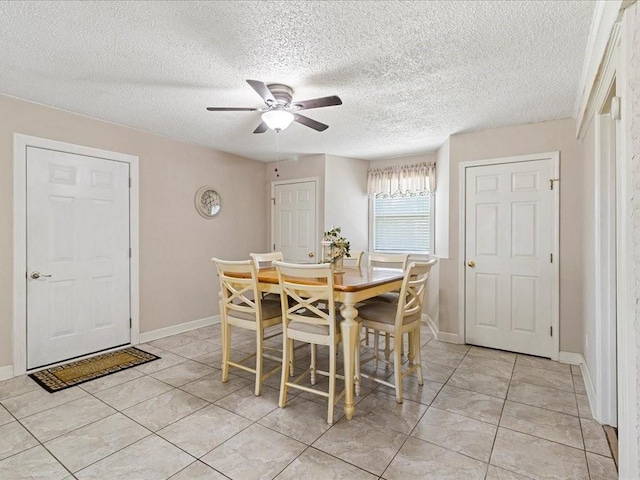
[{"x": 402, "y": 181}]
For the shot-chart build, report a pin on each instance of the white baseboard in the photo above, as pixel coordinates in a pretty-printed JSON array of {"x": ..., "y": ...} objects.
[
  {"x": 180, "y": 328},
  {"x": 6, "y": 372},
  {"x": 571, "y": 358},
  {"x": 588, "y": 385},
  {"x": 440, "y": 336}
]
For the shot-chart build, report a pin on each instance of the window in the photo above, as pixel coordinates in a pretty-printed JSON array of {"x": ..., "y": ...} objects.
[{"x": 402, "y": 224}]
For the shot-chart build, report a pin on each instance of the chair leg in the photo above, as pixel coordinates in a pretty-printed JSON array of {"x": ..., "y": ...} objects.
[
  {"x": 412, "y": 346},
  {"x": 286, "y": 349},
  {"x": 259, "y": 359},
  {"x": 387, "y": 346},
  {"x": 418, "y": 357},
  {"x": 397, "y": 372},
  {"x": 314, "y": 354},
  {"x": 376, "y": 348},
  {"x": 292, "y": 360},
  {"x": 226, "y": 350},
  {"x": 332, "y": 382},
  {"x": 366, "y": 336},
  {"x": 358, "y": 378}
]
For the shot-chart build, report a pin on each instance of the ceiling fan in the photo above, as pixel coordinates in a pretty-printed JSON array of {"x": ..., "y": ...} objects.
[{"x": 281, "y": 110}]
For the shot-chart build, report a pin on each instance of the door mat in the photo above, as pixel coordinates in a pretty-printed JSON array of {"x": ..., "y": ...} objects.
[{"x": 71, "y": 374}]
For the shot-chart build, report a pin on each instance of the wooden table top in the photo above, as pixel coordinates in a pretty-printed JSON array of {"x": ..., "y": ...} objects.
[{"x": 352, "y": 280}]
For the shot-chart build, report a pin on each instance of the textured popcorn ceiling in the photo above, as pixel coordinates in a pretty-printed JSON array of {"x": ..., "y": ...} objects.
[{"x": 409, "y": 73}]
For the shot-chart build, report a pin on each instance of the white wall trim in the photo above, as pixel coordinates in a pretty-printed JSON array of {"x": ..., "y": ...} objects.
[
  {"x": 602, "y": 40},
  {"x": 462, "y": 182},
  {"x": 571, "y": 358},
  {"x": 273, "y": 206},
  {"x": 440, "y": 336},
  {"x": 591, "y": 391},
  {"x": 20, "y": 144},
  {"x": 6, "y": 372},
  {"x": 180, "y": 328}
]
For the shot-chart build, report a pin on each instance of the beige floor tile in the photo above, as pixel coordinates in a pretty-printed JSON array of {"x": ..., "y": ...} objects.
[
  {"x": 302, "y": 420},
  {"x": 455, "y": 432},
  {"x": 576, "y": 370},
  {"x": 67, "y": 417},
  {"x": 383, "y": 410},
  {"x": 243, "y": 402},
  {"x": 198, "y": 471},
  {"x": 549, "y": 398},
  {"x": 131, "y": 393},
  {"x": 420, "y": 459},
  {"x": 442, "y": 356},
  {"x": 601, "y": 468},
  {"x": 35, "y": 463},
  {"x": 147, "y": 347},
  {"x": 470, "y": 404},
  {"x": 595, "y": 440},
  {"x": 213, "y": 360},
  {"x": 160, "y": 411},
  {"x": 204, "y": 430},
  {"x": 578, "y": 385},
  {"x": 5, "y": 416},
  {"x": 39, "y": 400},
  {"x": 538, "y": 458},
  {"x": 487, "y": 366},
  {"x": 182, "y": 373},
  {"x": 424, "y": 394},
  {"x": 91, "y": 443},
  {"x": 255, "y": 453},
  {"x": 452, "y": 347},
  {"x": 496, "y": 473},
  {"x": 317, "y": 465},
  {"x": 434, "y": 372},
  {"x": 492, "y": 354},
  {"x": 362, "y": 443},
  {"x": 151, "y": 458},
  {"x": 211, "y": 331},
  {"x": 167, "y": 343},
  {"x": 543, "y": 378},
  {"x": 196, "y": 348},
  {"x": 479, "y": 382},
  {"x": 545, "y": 363},
  {"x": 211, "y": 388},
  {"x": 112, "y": 380},
  {"x": 539, "y": 422},
  {"x": 17, "y": 386},
  {"x": 166, "y": 360},
  {"x": 584, "y": 408},
  {"x": 14, "y": 438}
]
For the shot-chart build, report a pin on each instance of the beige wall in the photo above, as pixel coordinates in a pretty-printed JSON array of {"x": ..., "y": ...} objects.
[
  {"x": 558, "y": 135},
  {"x": 177, "y": 281}
]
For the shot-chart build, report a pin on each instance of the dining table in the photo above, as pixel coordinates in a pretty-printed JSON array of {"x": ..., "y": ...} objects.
[{"x": 351, "y": 286}]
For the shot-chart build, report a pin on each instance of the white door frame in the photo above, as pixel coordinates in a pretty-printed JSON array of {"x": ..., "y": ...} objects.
[
  {"x": 555, "y": 295},
  {"x": 316, "y": 180},
  {"x": 20, "y": 144}
]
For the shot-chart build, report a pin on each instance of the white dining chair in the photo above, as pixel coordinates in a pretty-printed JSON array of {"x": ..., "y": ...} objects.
[
  {"x": 355, "y": 260},
  {"x": 241, "y": 306},
  {"x": 398, "y": 319},
  {"x": 262, "y": 260},
  {"x": 304, "y": 320}
]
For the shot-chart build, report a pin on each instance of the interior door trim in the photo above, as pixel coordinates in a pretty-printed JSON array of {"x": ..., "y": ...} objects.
[
  {"x": 20, "y": 144},
  {"x": 272, "y": 242},
  {"x": 462, "y": 188}
]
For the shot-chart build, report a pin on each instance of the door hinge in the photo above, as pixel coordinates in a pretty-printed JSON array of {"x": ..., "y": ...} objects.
[
  {"x": 551, "y": 258},
  {"x": 129, "y": 182},
  {"x": 551, "y": 331},
  {"x": 129, "y": 252},
  {"x": 274, "y": 247},
  {"x": 274, "y": 201},
  {"x": 130, "y": 323},
  {"x": 551, "y": 180}
]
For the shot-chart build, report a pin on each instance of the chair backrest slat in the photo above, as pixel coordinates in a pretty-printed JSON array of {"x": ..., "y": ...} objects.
[
  {"x": 354, "y": 260},
  {"x": 388, "y": 260},
  {"x": 412, "y": 291},
  {"x": 262, "y": 260},
  {"x": 239, "y": 287}
]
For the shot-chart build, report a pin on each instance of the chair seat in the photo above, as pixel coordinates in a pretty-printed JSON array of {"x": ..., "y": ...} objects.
[
  {"x": 270, "y": 309},
  {"x": 381, "y": 312},
  {"x": 388, "y": 297},
  {"x": 315, "y": 329}
]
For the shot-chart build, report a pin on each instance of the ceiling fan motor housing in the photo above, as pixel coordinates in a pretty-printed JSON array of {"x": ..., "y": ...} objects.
[{"x": 282, "y": 93}]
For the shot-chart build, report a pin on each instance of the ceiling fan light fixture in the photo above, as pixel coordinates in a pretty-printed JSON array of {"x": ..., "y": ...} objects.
[{"x": 277, "y": 119}]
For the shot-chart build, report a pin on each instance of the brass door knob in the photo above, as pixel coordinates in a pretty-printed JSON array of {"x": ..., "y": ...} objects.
[
  {"x": 472, "y": 264},
  {"x": 311, "y": 255}
]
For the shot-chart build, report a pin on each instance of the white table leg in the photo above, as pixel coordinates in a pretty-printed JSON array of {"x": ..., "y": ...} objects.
[{"x": 349, "y": 328}]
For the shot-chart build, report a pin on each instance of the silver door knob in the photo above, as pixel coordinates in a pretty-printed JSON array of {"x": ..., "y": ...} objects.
[
  {"x": 36, "y": 275},
  {"x": 311, "y": 255},
  {"x": 472, "y": 264}
]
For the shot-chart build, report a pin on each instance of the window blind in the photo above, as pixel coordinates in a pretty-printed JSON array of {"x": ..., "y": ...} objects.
[{"x": 402, "y": 224}]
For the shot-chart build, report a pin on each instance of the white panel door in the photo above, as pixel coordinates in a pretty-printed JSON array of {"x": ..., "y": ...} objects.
[
  {"x": 509, "y": 241},
  {"x": 295, "y": 221},
  {"x": 78, "y": 243}
]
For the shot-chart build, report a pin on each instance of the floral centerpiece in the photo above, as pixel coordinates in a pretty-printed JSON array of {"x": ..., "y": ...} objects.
[{"x": 335, "y": 247}]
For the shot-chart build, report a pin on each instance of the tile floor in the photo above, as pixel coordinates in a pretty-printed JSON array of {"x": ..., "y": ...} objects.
[{"x": 482, "y": 414}]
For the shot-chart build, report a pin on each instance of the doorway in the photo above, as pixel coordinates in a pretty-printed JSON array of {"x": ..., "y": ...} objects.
[
  {"x": 294, "y": 219},
  {"x": 76, "y": 251},
  {"x": 510, "y": 251}
]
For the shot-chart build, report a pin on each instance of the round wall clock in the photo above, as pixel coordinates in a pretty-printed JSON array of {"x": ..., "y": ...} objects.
[{"x": 207, "y": 202}]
